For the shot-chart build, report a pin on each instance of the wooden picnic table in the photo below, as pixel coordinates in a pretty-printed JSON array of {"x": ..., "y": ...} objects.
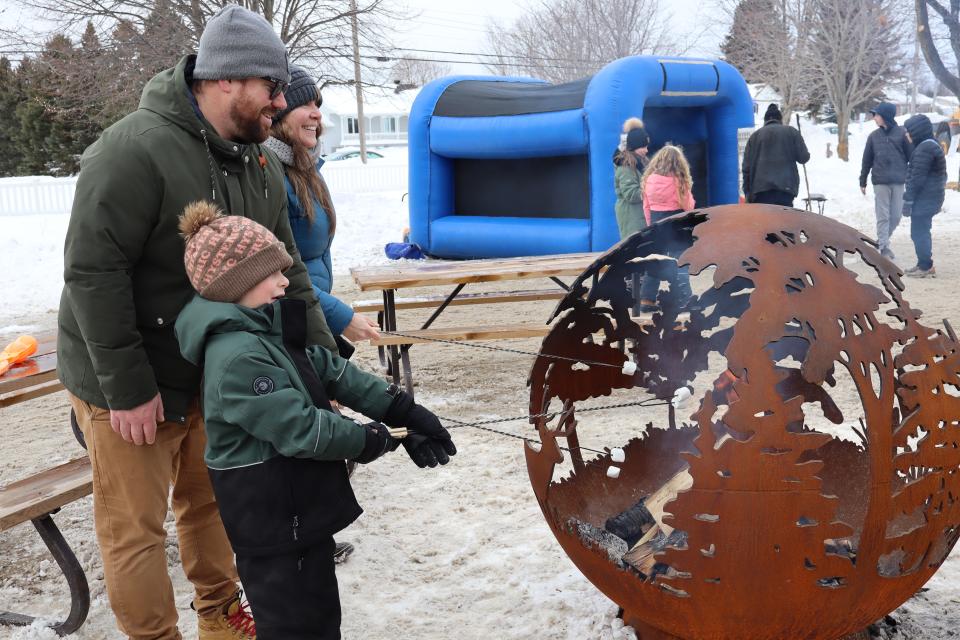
[
  {"x": 390, "y": 278},
  {"x": 41, "y": 495},
  {"x": 34, "y": 378}
]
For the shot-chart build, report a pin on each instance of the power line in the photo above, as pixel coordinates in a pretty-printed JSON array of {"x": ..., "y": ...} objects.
[
  {"x": 486, "y": 64},
  {"x": 496, "y": 55}
]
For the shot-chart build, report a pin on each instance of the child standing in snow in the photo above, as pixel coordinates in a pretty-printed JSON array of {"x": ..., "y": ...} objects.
[
  {"x": 629, "y": 163},
  {"x": 275, "y": 450},
  {"x": 629, "y": 160},
  {"x": 667, "y": 189}
]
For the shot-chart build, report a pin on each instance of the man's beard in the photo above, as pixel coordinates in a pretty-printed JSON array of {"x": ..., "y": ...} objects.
[{"x": 247, "y": 123}]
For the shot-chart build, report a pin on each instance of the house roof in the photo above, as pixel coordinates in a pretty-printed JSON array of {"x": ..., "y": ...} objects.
[
  {"x": 761, "y": 92},
  {"x": 342, "y": 100}
]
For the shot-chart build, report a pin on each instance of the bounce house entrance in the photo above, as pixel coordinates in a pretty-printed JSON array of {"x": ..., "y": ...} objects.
[
  {"x": 554, "y": 187},
  {"x": 685, "y": 127}
]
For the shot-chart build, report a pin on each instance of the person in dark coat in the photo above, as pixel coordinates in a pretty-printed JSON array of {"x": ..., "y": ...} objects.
[
  {"x": 924, "y": 193},
  {"x": 886, "y": 155},
  {"x": 770, "y": 161}
]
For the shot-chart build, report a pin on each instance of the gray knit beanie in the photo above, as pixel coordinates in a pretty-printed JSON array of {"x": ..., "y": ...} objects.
[
  {"x": 302, "y": 90},
  {"x": 238, "y": 43}
]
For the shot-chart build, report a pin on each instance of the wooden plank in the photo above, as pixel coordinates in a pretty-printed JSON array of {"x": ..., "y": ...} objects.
[
  {"x": 492, "y": 297},
  {"x": 46, "y": 341},
  {"x": 41, "y": 493},
  {"x": 440, "y": 272},
  {"x": 501, "y": 332},
  {"x": 32, "y": 372},
  {"x": 29, "y": 393}
]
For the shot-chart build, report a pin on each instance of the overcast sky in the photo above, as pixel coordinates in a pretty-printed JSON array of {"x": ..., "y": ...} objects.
[{"x": 459, "y": 25}]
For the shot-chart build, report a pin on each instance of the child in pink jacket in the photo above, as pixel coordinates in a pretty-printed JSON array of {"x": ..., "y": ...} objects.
[{"x": 667, "y": 189}]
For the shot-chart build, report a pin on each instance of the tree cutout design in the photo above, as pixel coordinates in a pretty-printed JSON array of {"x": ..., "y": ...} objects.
[{"x": 761, "y": 530}]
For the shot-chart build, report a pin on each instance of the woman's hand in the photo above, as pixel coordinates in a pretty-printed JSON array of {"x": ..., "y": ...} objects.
[{"x": 361, "y": 328}]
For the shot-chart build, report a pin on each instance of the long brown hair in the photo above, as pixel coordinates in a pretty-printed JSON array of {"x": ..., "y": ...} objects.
[
  {"x": 306, "y": 180},
  {"x": 627, "y": 158},
  {"x": 670, "y": 161}
]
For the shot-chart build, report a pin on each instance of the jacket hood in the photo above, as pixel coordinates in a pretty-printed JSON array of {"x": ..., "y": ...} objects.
[
  {"x": 168, "y": 95},
  {"x": 201, "y": 319},
  {"x": 919, "y": 127},
  {"x": 887, "y": 111}
]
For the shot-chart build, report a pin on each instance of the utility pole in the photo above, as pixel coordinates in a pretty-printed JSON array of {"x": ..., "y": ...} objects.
[
  {"x": 361, "y": 128},
  {"x": 916, "y": 63}
]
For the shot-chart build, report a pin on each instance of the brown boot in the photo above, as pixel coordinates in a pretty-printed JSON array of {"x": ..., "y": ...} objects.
[{"x": 233, "y": 622}]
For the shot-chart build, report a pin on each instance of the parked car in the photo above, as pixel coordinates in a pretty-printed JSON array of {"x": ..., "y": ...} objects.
[{"x": 347, "y": 155}]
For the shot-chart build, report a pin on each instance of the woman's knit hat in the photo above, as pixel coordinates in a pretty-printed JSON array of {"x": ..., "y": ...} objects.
[
  {"x": 637, "y": 139},
  {"x": 226, "y": 256},
  {"x": 302, "y": 90}
]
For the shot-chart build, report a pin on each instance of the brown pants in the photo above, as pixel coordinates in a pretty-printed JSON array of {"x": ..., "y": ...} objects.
[{"x": 131, "y": 489}]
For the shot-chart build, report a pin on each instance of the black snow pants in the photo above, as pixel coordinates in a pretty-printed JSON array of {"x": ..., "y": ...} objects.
[{"x": 293, "y": 596}]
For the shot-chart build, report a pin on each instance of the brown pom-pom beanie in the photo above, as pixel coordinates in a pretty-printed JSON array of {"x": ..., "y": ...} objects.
[{"x": 226, "y": 256}]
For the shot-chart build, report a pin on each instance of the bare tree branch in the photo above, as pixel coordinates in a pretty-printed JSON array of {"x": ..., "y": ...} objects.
[
  {"x": 563, "y": 40},
  {"x": 857, "y": 53}
]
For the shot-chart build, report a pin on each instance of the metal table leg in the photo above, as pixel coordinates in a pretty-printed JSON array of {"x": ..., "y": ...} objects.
[
  {"x": 72, "y": 571},
  {"x": 390, "y": 324}
]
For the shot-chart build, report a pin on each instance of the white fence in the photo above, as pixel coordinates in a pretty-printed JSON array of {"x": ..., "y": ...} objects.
[
  {"x": 25, "y": 196},
  {"x": 39, "y": 196}
]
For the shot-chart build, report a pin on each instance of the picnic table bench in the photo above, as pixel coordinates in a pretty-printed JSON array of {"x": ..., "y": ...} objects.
[
  {"x": 38, "y": 497},
  {"x": 388, "y": 279}
]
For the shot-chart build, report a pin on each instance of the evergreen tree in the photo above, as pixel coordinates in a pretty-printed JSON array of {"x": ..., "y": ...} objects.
[
  {"x": 742, "y": 47},
  {"x": 11, "y": 94},
  {"x": 54, "y": 124}
]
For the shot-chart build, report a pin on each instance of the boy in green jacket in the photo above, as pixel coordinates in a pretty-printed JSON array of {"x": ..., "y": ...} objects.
[{"x": 275, "y": 449}]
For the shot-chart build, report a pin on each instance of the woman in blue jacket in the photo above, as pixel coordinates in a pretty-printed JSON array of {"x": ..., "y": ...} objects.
[{"x": 294, "y": 138}]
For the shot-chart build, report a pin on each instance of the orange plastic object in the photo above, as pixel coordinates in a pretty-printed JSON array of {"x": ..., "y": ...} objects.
[{"x": 17, "y": 351}]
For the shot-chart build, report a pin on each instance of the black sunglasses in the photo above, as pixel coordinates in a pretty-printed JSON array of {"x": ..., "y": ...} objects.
[{"x": 276, "y": 86}]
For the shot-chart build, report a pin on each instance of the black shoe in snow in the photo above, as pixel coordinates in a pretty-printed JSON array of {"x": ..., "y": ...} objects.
[{"x": 341, "y": 552}]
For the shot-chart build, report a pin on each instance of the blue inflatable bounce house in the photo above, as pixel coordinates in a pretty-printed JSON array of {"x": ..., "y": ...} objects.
[{"x": 503, "y": 166}]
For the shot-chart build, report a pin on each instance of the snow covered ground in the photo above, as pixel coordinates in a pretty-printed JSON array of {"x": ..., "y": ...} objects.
[{"x": 461, "y": 551}]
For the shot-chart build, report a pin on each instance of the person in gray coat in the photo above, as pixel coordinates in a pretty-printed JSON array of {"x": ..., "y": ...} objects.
[{"x": 886, "y": 154}]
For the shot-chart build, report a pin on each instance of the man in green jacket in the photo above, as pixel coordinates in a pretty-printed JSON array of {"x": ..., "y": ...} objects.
[{"x": 196, "y": 134}]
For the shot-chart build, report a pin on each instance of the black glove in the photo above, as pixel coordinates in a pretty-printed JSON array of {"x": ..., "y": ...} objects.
[
  {"x": 907, "y": 209},
  {"x": 378, "y": 443},
  {"x": 428, "y": 443},
  {"x": 424, "y": 451}
]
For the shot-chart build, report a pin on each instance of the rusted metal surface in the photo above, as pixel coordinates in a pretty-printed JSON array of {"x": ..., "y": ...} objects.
[{"x": 788, "y": 531}]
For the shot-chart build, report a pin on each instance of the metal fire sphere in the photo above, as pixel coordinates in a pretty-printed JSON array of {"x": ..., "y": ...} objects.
[{"x": 810, "y": 485}]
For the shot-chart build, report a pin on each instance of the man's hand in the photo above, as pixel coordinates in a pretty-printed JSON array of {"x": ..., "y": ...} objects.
[
  {"x": 138, "y": 425},
  {"x": 863, "y": 190},
  {"x": 361, "y": 328}
]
